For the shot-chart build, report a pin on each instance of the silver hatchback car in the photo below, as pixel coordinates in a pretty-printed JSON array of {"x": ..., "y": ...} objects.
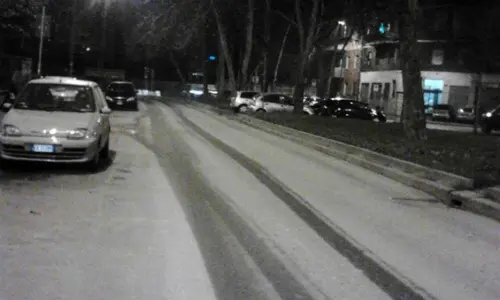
[{"x": 56, "y": 119}]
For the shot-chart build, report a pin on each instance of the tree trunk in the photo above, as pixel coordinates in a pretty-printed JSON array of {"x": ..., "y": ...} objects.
[
  {"x": 320, "y": 84},
  {"x": 265, "y": 54},
  {"x": 248, "y": 44},
  {"x": 177, "y": 68},
  {"x": 104, "y": 30},
  {"x": 413, "y": 115},
  {"x": 280, "y": 55},
  {"x": 221, "y": 72},
  {"x": 221, "y": 77},
  {"x": 225, "y": 48},
  {"x": 204, "y": 54},
  {"x": 72, "y": 40},
  {"x": 300, "y": 86},
  {"x": 476, "y": 104},
  {"x": 306, "y": 46}
]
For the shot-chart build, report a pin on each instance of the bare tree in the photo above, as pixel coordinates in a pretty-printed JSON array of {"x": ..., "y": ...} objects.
[
  {"x": 280, "y": 55},
  {"x": 248, "y": 44},
  {"x": 16, "y": 16},
  {"x": 307, "y": 34},
  {"x": 224, "y": 47},
  {"x": 413, "y": 103}
]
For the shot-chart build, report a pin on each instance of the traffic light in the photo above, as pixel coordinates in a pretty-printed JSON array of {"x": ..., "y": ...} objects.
[{"x": 382, "y": 28}]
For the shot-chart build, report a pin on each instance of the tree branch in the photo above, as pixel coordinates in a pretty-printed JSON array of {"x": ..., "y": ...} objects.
[{"x": 286, "y": 18}]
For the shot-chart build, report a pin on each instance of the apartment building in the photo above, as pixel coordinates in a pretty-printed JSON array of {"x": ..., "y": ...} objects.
[{"x": 452, "y": 54}]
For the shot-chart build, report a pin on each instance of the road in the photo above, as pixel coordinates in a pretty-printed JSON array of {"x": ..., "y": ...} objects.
[{"x": 196, "y": 206}]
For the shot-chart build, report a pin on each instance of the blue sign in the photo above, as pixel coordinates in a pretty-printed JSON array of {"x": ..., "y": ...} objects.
[{"x": 211, "y": 57}]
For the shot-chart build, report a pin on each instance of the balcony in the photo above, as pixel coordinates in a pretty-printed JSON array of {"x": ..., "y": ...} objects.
[{"x": 381, "y": 64}]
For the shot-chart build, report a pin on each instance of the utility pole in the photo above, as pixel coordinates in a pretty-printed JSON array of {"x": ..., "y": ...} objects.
[
  {"x": 40, "y": 46},
  {"x": 104, "y": 28},
  {"x": 72, "y": 40}
]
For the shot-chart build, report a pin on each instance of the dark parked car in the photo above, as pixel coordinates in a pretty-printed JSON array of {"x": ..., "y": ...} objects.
[
  {"x": 491, "y": 120},
  {"x": 122, "y": 94},
  {"x": 349, "y": 109},
  {"x": 324, "y": 107}
]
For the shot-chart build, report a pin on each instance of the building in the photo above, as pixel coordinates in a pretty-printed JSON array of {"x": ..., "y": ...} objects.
[{"x": 456, "y": 54}]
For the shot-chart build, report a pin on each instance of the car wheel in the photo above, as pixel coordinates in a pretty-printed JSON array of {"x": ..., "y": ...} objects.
[
  {"x": 486, "y": 129},
  {"x": 5, "y": 164},
  {"x": 105, "y": 151},
  {"x": 93, "y": 165},
  {"x": 243, "y": 109}
]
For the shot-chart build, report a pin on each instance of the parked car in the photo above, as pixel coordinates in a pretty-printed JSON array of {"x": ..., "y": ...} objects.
[
  {"x": 242, "y": 100},
  {"x": 56, "y": 119},
  {"x": 444, "y": 112},
  {"x": 311, "y": 100},
  {"x": 428, "y": 111},
  {"x": 467, "y": 115},
  {"x": 272, "y": 102},
  {"x": 276, "y": 102},
  {"x": 348, "y": 108},
  {"x": 325, "y": 107},
  {"x": 490, "y": 120},
  {"x": 122, "y": 94}
]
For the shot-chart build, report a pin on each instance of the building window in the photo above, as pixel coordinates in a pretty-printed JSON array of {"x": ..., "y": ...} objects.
[
  {"x": 437, "y": 57},
  {"x": 356, "y": 61},
  {"x": 345, "y": 64},
  {"x": 394, "y": 88}
]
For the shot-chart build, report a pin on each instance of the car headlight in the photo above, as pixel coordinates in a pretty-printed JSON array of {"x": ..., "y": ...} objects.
[
  {"x": 80, "y": 134},
  {"x": 10, "y": 130},
  {"x": 373, "y": 111},
  {"x": 130, "y": 99},
  {"x": 109, "y": 98},
  {"x": 461, "y": 111},
  {"x": 488, "y": 115}
]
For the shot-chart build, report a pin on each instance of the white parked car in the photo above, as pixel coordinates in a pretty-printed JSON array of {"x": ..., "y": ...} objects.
[
  {"x": 242, "y": 100},
  {"x": 275, "y": 102},
  {"x": 272, "y": 102},
  {"x": 56, "y": 119}
]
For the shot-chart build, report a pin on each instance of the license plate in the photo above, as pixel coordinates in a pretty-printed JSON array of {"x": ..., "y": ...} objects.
[
  {"x": 42, "y": 148},
  {"x": 119, "y": 102}
]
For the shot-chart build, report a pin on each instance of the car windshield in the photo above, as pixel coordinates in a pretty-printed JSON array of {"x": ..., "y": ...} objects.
[
  {"x": 56, "y": 97},
  {"x": 468, "y": 109},
  {"x": 125, "y": 88},
  {"x": 442, "y": 106},
  {"x": 248, "y": 95}
]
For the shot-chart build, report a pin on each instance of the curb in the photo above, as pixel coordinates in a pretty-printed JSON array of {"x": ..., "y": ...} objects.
[
  {"x": 450, "y": 124},
  {"x": 453, "y": 190}
]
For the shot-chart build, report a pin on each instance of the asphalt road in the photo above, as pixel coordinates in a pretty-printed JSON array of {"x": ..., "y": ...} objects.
[{"x": 196, "y": 206}]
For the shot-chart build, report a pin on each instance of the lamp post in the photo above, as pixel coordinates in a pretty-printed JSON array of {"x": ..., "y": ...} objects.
[
  {"x": 72, "y": 40},
  {"x": 40, "y": 46}
]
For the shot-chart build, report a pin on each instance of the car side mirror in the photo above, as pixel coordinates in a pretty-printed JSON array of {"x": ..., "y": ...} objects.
[
  {"x": 105, "y": 110},
  {"x": 6, "y": 106}
]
